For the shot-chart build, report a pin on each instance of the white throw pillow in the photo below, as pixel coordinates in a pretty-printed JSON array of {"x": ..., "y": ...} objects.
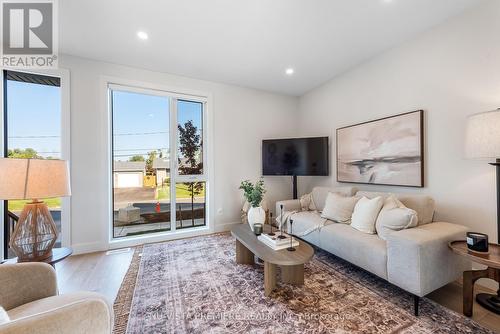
[
  {"x": 339, "y": 208},
  {"x": 365, "y": 214},
  {"x": 4, "y": 317},
  {"x": 394, "y": 216}
]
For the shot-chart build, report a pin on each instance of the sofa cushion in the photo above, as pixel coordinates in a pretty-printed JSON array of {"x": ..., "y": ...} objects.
[
  {"x": 367, "y": 251},
  {"x": 339, "y": 208},
  {"x": 365, "y": 214},
  {"x": 394, "y": 216},
  {"x": 319, "y": 194},
  {"x": 424, "y": 205}
]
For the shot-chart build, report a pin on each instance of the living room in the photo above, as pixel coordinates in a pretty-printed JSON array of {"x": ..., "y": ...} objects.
[{"x": 366, "y": 131}]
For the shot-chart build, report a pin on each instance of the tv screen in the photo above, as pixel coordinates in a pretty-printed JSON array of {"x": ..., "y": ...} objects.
[{"x": 298, "y": 156}]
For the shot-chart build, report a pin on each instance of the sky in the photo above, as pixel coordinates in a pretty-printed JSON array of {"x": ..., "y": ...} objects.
[
  {"x": 140, "y": 122},
  {"x": 34, "y": 117}
]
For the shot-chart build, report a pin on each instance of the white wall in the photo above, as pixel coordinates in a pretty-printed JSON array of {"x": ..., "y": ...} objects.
[
  {"x": 450, "y": 72},
  {"x": 242, "y": 118}
]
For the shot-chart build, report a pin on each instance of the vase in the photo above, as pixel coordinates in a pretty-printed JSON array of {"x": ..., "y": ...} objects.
[{"x": 256, "y": 215}]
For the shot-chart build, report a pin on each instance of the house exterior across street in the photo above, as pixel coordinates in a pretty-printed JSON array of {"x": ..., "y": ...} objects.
[
  {"x": 129, "y": 174},
  {"x": 162, "y": 170}
]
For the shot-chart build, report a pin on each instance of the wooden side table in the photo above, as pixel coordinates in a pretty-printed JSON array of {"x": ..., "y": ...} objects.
[
  {"x": 492, "y": 260},
  {"x": 58, "y": 254}
]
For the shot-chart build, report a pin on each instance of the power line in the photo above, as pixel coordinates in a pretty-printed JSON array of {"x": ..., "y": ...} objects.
[
  {"x": 142, "y": 149},
  {"x": 22, "y": 137},
  {"x": 140, "y": 133}
]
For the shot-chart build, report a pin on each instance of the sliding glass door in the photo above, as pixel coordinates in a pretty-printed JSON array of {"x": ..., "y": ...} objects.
[{"x": 158, "y": 174}]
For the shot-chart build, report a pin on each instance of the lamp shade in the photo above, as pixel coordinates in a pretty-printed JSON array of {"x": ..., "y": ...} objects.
[
  {"x": 33, "y": 178},
  {"x": 482, "y": 136}
]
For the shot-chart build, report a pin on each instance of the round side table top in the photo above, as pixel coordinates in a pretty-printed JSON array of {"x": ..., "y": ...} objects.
[
  {"x": 58, "y": 254},
  {"x": 491, "y": 259}
]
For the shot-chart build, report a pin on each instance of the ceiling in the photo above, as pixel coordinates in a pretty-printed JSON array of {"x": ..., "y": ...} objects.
[{"x": 247, "y": 42}]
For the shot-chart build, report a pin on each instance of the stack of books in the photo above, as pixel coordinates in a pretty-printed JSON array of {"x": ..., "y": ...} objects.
[{"x": 276, "y": 243}]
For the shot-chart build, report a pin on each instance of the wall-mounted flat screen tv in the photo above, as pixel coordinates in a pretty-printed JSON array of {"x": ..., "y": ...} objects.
[{"x": 297, "y": 156}]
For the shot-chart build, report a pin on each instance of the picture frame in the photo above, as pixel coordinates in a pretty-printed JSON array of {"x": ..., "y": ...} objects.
[{"x": 385, "y": 151}]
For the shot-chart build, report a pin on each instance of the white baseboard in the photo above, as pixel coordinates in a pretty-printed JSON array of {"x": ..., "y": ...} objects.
[
  {"x": 224, "y": 227},
  {"x": 89, "y": 247},
  {"x": 131, "y": 242}
]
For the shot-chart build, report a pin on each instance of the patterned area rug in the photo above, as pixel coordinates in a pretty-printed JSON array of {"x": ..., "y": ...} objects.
[{"x": 195, "y": 286}]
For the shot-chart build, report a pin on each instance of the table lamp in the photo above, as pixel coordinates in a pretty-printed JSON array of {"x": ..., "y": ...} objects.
[
  {"x": 32, "y": 179},
  {"x": 482, "y": 141}
]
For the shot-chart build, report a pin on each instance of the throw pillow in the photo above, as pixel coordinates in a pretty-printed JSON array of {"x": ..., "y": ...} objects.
[
  {"x": 394, "y": 216},
  {"x": 307, "y": 203},
  {"x": 365, "y": 214},
  {"x": 4, "y": 317},
  {"x": 339, "y": 208}
]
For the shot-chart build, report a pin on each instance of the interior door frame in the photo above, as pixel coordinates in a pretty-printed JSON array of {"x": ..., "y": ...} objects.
[
  {"x": 107, "y": 84},
  {"x": 64, "y": 75}
]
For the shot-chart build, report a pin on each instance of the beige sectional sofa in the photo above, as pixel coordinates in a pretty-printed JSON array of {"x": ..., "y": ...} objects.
[{"x": 417, "y": 259}]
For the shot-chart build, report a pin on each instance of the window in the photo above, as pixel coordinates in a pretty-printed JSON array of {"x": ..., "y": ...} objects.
[
  {"x": 32, "y": 129},
  {"x": 158, "y": 169}
]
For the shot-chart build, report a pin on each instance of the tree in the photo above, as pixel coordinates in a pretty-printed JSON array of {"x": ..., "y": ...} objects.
[
  {"x": 27, "y": 153},
  {"x": 136, "y": 158},
  {"x": 190, "y": 145},
  {"x": 149, "y": 162}
]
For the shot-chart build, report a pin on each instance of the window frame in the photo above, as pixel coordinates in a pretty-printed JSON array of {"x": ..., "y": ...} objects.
[
  {"x": 111, "y": 84},
  {"x": 64, "y": 76}
]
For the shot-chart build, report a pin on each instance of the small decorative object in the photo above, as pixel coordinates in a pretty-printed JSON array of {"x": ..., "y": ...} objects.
[
  {"x": 281, "y": 236},
  {"x": 477, "y": 242},
  {"x": 257, "y": 228},
  {"x": 271, "y": 223},
  {"x": 35, "y": 233},
  {"x": 385, "y": 151},
  {"x": 253, "y": 194},
  {"x": 291, "y": 248},
  {"x": 277, "y": 244}
]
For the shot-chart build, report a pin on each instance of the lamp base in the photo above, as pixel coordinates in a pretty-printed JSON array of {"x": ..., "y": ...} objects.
[
  {"x": 489, "y": 301},
  {"x": 34, "y": 234}
]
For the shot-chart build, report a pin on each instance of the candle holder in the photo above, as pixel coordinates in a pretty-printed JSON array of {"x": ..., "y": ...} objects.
[
  {"x": 291, "y": 248},
  {"x": 271, "y": 223},
  {"x": 257, "y": 228},
  {"x": 281, "y": 236}
]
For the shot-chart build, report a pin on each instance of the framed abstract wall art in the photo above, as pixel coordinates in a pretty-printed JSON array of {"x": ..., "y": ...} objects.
[{"x": 386, "y": 151}]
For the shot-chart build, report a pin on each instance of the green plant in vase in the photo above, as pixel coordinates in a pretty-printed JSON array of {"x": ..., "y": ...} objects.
[{"x": 254, "y": 193}]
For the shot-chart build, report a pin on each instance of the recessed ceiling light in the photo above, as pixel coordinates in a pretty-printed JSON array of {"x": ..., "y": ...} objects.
[
  {"x": 142, "y": 35},
  {"x": 289, "y": 71},
  {"x": 387, "y": 1}
]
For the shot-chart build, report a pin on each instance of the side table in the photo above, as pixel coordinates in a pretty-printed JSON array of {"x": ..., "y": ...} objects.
[
  {"x": 492, "y": 260},
  {"x": 58, "y": 254}
]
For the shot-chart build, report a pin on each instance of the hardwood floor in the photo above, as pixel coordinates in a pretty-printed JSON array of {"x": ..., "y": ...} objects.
[{"x": 103, "y": 272}]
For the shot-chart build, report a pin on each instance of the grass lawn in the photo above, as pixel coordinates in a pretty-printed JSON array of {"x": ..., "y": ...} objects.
[
  {"x": 181, "y": 191},
  {"x": 17, "y": 205}
]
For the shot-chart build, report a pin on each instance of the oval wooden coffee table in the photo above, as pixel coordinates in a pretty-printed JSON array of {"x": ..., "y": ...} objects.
[
  {"x": 291, "y": 263},
  {"x": 492, "y": 260}
]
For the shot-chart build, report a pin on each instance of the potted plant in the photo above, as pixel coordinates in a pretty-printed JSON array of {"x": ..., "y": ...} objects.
[{"x": 253, "y": 194}]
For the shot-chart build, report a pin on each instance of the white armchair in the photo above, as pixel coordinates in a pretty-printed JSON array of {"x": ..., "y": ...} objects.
[{"x": 28, "y": 292}]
